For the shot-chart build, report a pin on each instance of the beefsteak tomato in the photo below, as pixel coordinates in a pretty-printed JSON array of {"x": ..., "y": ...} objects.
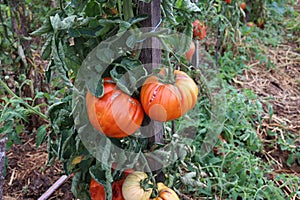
[
  {"x": 135, "y": 186},
  {"x": 115, "y": 114},
  {"x": 165, "y": 101}
]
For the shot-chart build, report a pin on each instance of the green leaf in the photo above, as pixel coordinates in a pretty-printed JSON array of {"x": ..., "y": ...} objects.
[
  {"x": 105, "y": 54},
  {"x": 66, "y": 23},
  {"x": 93, "y": 8},
  {"x": 167, "y": 6},
  {"x": 138, "y": 19},
  {"x": 187, "y": 6},
  {"x": 46, "y": 50},
  {"x": 96, "y": 88},
  {"x": 45, "y": 28},
  {"x": 128, "y": 74},
  {"x": 186, "y": 39},
  {"x": 98, "y": 174},
  {"x": 40, "y": 136},
  {"x": 58, "y": 56}
]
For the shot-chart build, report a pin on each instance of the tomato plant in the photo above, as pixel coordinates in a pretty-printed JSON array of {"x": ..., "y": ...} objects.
[
  {"x": 168, "y": 101},
  {"x": 115, "y": 114}
]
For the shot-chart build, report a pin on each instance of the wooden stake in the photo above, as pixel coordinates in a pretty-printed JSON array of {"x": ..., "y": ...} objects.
[{"x": 151, "y": 57}]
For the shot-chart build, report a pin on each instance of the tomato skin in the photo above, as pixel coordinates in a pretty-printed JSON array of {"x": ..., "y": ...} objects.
[
  {"x": 243, "y": 5},
  {"x": 132, "y": 189},
  {"x": 189, "y": 54},
  {"x": 199, "y": 30},
  {"x": 115, "y": 114},
  {"x": 97, "y": 191},
  {"x": 163, "y": 101},
  {"x": 228, "y": 1},
  {"x": 165, "y": 193},
  {"x": 117, "y": 190}
]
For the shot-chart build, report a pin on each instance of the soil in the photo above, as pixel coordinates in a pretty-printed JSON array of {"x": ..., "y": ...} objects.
[{"x": 28, "y": 175}]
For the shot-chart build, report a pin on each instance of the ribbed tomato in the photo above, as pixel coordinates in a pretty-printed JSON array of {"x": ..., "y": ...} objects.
[
  {"x": 133, "y": 186},
  {"x": 115, "y": 114},
  {"x": 164, "y": 101},
  {"x": 166, "y": 193},
  {"x": 97, "y": 191}
]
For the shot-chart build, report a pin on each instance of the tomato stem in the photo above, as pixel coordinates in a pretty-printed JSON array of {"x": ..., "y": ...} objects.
[
  {"x": 146, "y": 184},
  {"x": 170, "y": 70},
  {"x": 29, "y": 107}
]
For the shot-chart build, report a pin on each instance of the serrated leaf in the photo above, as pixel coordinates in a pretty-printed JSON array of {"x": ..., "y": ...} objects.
[
  {"x": 138, "y": 19},
  {"x": 46, "y": 50},
  {"x": 187, "y": 6},
  {"x": 66, "y": 23},
  {"x": 167, "y": 6},
  {"x": 98, "y": 174},
  {"x": 45, "y": 28},
  {"x": 41, "y": 134},
  {"x": 93, "y": 8},
  {"x": 127, "y": 74},
  {"x": 58, "y": 57},
  {"x": 188, "y": 179},
  {"x": 131, "y": 41},
  {"x": 96, "y": 89},
  {"x": 186, "y": 39},
  {"x": 105, "y": 54}
]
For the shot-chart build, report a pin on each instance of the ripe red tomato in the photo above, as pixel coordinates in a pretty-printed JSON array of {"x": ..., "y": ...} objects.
[
  {"x": 189, "y": 54},
  {"x": 199, "y": 30},
  {"x": 243, "y": 5},
  {"x": 164, "y": 101},
  {"x": 97, "y": 190},
  {"x": 228, "y": 1},
  {"x": 115, "y": 114},
  {"x": 117, "y": 190}
]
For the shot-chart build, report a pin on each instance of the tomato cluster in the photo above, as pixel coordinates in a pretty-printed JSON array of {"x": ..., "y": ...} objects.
[
  {"x": 133, "y": 186},
  {"x": 199, "y": 30},
  {"x": 118, "y": 115}
]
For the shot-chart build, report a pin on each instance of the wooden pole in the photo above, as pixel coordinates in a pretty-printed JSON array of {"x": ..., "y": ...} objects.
[{"x": 151, "y": 57}]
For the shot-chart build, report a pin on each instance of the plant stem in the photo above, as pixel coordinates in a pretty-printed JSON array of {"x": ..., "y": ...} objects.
[
  {"x": 22, "y": 101},
  {"x": 170, "y": 71},
  {"x": 127, "y": 8}
]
